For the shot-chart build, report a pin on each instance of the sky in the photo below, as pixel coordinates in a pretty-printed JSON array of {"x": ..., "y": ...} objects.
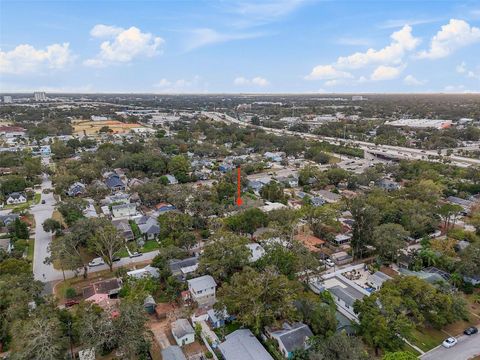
[{"x": 284, "y": 46}]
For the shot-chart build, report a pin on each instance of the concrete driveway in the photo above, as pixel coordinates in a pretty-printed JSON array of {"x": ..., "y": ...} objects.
[{"x": 466, "y": 348}]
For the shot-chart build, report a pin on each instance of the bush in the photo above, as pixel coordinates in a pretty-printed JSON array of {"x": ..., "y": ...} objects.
[
  {"x": 208, "y": 355},
  {"x": 467, "y": 287},
  {"x": 70, "y": 293}
]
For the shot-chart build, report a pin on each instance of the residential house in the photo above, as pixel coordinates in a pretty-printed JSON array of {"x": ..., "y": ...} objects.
[
  {"x": 377, "y": 279},
  {"x": 173, "y": 352},
  {"x": 243, "y": 345},
  {"x": 465, "y": 204},
  {"x": 291, "y": 337},
  {"x": 144, "y": 272},
  {"x": 183, "y": 332},
  {"x": 341, "y": 239},
  {"x": 317, "y": 201},
  {"x": 172, "y": 180},
  {"x": 114, "y": 183},
  {"x": 225, "y": 167},
  {"x": 328, "y": 196},
  {"x": 123, "y": 227},
  {"x": 202, "y": 290},
  {"x": 164, "y": 207},
  {"x": 124, "y": 210},
  {"x": 289, "y": 181},
  {"x": 100, "y": 292},
  {"x": 8, "y": 218},
  {"x": 270, "y": 206},
  {"x": 16, "y": 198},
  {"x": 274, "y": 156},
  {"x": 341, "y": 258},
  {"x": 388, "y": 185},
  {"x": 256, "y": 251},
  {"x": 312, "y": 243},
  {"x": 76, "y": 189},
  {"x": 181, "y": 268},
  {"x": 148, "y": 226},
  {"x": 117, "y": 198},
  {"x": 218, "y": 318}
]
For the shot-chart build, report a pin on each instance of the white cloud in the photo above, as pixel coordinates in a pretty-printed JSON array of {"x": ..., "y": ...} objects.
[
  {"x": 402, "y": 41},
  {"x": 327, "y": 72},
  {"x": 105, "y": 31},
  {"x": 412, "y": 80},
  {"x": 26, "y": 59},
  {"x": 124, "y": 45},
  {"x": 454, "y": 35},
  {"x": 194, "y": 85},
  {"x": 396, "y": 23},
  {"x": 331, "y": 83},
  {"x": 385, "y": 73},
  {"x": 206, "y": 36},
  {"x": 353, "y": 41},
  {"x": 257, "y": 81},
  {"x": 461, "y": 68}
]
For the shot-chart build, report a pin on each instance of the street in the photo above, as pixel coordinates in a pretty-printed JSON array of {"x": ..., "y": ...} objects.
[{"x": 466, "y": 348}]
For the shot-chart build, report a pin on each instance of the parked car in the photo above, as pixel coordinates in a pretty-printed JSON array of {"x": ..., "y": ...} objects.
[
  {"x": 136, "y": 254},
  {"x": 450, "y": 342},
  {"x": 43, "y": 201},
  {"x": 96, "y": 262},
  {"x": 71, "y": 303},
  {"x": 329, "y": 262},
  {"x": 470, "y": 331},
  {"x": 116, "y": 258}
]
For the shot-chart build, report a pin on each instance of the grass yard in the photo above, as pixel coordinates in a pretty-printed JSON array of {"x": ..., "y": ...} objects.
[
  {"x": 150, "y": 245},
  {"x": 92, "y": 127},
  {"x": 36, "y": 198},
  {"x": 427, "y": 338},
  {"x": 30, "y": 250},
  {"x": 227, "y": 329}
]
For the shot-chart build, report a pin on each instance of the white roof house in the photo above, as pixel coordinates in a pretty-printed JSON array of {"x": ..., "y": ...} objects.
[
  {"x": 243, "y": 345},
  {"x": 183, "y": 332},
  {"x": 202, "y": 289},
  {"x": 256, "y": 250}
]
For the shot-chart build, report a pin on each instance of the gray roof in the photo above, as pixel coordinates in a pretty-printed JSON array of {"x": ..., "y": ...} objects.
[
  {"x": 293, "y": 336},
  {"x": 7, "y": 219},
  {"x": 175, "y": 265},
  {"x": 113, "y": 181},
  {"x": 148, "y": 225},
  {"x": 202, "y": 283},
  {"x": 379, "y": 277},
  {"x": 182, "y": 327},
  {"x": 243, "y": 345},
  {"x": 173, "y": 353},
  {"x": 348, "y": 294}
]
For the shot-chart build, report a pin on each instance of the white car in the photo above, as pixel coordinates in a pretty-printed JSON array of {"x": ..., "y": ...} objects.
[
  {"x": 96, "y": 262},
  {"x": 450, "y": 342},
  {"x": 329, "y": 262}
]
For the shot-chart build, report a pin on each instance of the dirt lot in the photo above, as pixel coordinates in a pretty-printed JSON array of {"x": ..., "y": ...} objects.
[{"x": 92, "y": 127}]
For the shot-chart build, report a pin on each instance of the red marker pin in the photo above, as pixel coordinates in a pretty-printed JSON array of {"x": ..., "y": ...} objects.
[{"x": 239, "y": 199}]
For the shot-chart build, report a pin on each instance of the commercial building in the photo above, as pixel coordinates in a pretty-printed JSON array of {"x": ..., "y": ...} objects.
[
  {"x": 39, "y": 96},
  {"x": 421, "y": 123}
]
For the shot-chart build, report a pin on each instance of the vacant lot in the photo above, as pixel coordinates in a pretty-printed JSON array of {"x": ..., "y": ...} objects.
[{"x": 92, "y": 127}]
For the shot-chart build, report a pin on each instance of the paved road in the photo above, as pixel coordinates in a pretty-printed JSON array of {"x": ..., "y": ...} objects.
[
  {"x": 41, "y": 212},
  {"x": 47, "y": 273},
  {"x": 466, "y": 348}
]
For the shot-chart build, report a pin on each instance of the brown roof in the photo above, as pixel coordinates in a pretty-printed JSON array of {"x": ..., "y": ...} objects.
[
  {"x": 101, "y": 287},
  {"x": 311, "y": 242}
]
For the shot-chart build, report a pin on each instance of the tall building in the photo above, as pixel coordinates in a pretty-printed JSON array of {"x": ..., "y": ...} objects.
[
  {"x": 40, "y": 96},
  {"x": 7, "y": 99}
]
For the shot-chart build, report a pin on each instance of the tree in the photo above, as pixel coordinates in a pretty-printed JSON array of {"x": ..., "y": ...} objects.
[
  {"x": 72, "y": 210},
  {"x": 470, "y": 264},
  {"x": 51, "y": 225},
  {"x": 366, "y": 218},
  {"x": 389, "y": 239},
  {"x": 179, "y": 166},
  {"x": 127, "y": 332},
  {"x": 449, "y": 213},
  {"x": 226, "y": 254},
  {"x": 39, "y": 337},
  {"x": 18, "y": 230},
  {"x": 174, "y": 225},
  {"x": 273, "y": 192},
  {"x": 106, "y": 242},
  {"x": 319, "y": 315},
  {"x": 247, "y": 222},
  {"x": 259, "y": 299},
  {"x": 339, "y": 346},
  {"x": 336, "y": 175}
]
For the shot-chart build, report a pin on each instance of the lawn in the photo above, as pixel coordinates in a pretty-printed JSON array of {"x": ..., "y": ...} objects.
[
  {"x": 150, "y": 245},
  {"x": 427, "y": 338},
  {"x": 30, "y": 250},
  {"x": 36, "y": 198},
  {"x": 227, "y": 329}
]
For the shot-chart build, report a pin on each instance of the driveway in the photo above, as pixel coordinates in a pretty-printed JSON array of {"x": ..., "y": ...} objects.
[{"x": 466, "y": 348}]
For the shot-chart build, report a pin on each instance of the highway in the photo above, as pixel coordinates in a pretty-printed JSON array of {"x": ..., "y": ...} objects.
[{"x": 393, "y": 152}]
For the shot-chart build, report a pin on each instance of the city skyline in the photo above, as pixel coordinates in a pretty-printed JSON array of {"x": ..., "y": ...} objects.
[{"x": 289, "y": 46}]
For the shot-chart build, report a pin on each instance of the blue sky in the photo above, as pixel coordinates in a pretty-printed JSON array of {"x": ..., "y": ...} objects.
[{"x": 286, "y": 46}]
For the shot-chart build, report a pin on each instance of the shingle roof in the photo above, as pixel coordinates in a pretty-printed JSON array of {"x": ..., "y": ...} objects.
[
  {"x": 243, "y": 345},
  {"x": 348, "y": 294},
  {"x": 295, "y": 337},
  {"x": 173, "y": 353},
  {"x": 114, "y": 181},
  {"x": 182, "y": 327},
  {"x": 202, "y": 282}
]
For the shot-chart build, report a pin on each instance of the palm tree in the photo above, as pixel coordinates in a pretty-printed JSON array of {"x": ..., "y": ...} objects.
[
  {"x": 429, "y": 257},
  {"x": 456, "y": 280}
]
